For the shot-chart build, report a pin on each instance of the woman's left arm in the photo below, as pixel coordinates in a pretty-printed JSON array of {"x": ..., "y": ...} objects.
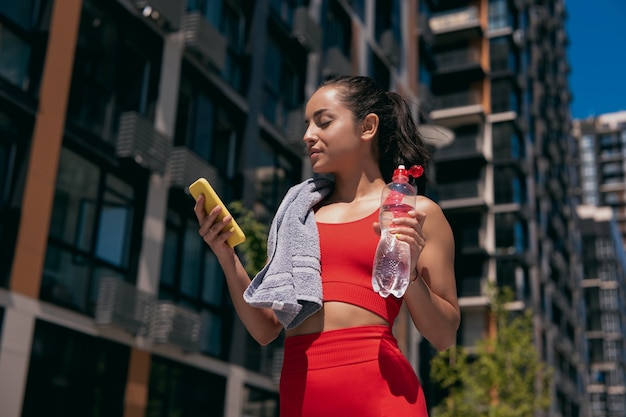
[{"x": 432, "y": 297}]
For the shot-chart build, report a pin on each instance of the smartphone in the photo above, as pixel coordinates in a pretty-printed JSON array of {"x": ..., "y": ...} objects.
[{"x": 211, "y": 199}]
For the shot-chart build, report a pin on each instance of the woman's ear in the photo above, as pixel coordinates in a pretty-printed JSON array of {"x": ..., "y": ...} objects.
[{"x": 369, "y": 126}]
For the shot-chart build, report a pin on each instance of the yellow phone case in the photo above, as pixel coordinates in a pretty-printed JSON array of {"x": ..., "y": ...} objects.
[{"x": 211, "y": 199}]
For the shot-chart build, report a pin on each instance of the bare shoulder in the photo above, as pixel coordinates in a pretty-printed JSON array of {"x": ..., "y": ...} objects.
[
  {"x": 435, "y": 218},
  {"x": 428, "y": 206}
]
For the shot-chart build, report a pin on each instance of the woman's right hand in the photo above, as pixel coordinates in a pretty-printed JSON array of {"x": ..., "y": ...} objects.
[{"x": 211, "y": 229}]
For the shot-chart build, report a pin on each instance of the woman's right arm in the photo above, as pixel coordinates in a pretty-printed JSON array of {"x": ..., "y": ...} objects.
[{"x": 261, "y": 323}]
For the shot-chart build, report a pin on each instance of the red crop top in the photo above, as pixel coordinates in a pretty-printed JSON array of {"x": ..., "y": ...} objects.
[{"x": 347, "y": 254}]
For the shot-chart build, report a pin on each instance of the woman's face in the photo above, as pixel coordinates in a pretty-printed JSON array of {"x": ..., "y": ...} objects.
[{"x": 332, "y": 136}]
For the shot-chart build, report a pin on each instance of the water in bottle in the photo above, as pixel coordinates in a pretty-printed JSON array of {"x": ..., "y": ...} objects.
[{"x": 391, "y": 270}]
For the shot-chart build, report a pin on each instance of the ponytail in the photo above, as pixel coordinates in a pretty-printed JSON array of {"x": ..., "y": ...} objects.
[{"x": 399, "y": 141}]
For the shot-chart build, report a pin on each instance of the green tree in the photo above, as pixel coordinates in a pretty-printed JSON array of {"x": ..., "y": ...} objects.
[
  {"x": 253, "y": 250},
  {"x": 503, "y": 377}
]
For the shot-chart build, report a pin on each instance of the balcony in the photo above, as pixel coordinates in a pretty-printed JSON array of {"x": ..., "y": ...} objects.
[
  {"x": 456, "y": 24},
  {"x": 457, "y": 62},
  {"x": 186, "y": 167},
  {"x": 471, "y": 286},
  {"x": 454, "y": 109},
  {"x": 175, "y": 325},
  {"x": 336, "y": 63},
  {"x": 390, "y": 47},
  {"x": 122, "y": 305},
  {"x": 204, "y": 39},
  {"x": 137, "y": 139},
  {"x": 461, "y": 194},
  {"x": 462, "y": 146},
  {"x": 306, "y": 30}
]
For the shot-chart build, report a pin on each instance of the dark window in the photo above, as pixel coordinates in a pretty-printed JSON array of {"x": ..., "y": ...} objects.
[
  {"x": 94, "y": 230},
  {"x": 276, "y": 172},
  {"x": 15, "y": 132},
  {"x": 260, "y": 403},
  {"x": 71, "y": 374},
  {"x": 338, "y": 29},
  {"x": 116, "y": 69},
  {"x": 283, "y": 87},
  {"x": 182, "y": 391},
  {"x": 192, "y": 277},
  {"x": 208, "y": 125},
  {"x": 24, "y": 34}
]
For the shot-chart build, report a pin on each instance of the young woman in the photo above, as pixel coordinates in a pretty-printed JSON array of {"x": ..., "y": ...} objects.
[{"x": 341, "y": 358}]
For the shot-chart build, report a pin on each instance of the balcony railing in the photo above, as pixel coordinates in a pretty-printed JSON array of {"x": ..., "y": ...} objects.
[
  {"x": 453, "y": 59},
  {"x": 336, "y": 63},
  {"x": 454, "y": 20},
  {"x": 176, "y": 325},
  {"x": 306, "y": 30},
  {"x": 204, "y": 39},
  {"x": 458, "y": 99},
  {"x": 462, "y": 145},
  {"x": 459, "y": 190},
  {"x": 471, "y": 286},
  {"x": 122, "y": 305},
  {"x": 186, "y": 167},
  {"x": 139, "y": 140}
]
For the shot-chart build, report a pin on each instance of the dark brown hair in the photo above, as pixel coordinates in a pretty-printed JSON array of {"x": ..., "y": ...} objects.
[{"x": 399, "y": 141}]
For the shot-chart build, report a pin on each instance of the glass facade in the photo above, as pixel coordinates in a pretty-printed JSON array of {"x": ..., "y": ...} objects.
[{"x": 73, "y": 374}]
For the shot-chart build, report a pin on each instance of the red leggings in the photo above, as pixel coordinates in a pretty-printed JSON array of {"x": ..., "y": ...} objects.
[{"x": 358, "y": 371}]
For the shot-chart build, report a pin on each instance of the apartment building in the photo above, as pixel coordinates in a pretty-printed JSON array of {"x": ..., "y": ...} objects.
[
  {"x": 601, "y": 143},
  {"x": 495, "y": 73},
  {"x": 604, "y": 261},
  {"x": 110, "y": 304}
]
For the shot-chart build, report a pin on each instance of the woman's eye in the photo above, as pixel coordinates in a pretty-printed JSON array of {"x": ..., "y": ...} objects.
[{"x": 323, "y": 123}]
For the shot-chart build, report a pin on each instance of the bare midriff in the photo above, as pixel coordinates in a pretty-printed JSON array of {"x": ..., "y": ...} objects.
[{"x": 337, "y": 315}]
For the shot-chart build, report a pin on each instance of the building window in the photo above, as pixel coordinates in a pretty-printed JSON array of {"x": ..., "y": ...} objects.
[
  {"x": 72, "y": 374},
  {"x": 179, "y": 390},
  {"x": 498, "y": 14},
  {"x": 92, "y": 232},
  {"x": 207, "y": 125},
  {"x": 338, "y": 29},
  {"x": 501, "y": 55},
  {"x": 609, "y": 299},
  {"x": 612, "y": 350},
  {"x": 617, "y": 404},
  {"x": 233, "y": 26},
  {"x": 23, "y": 31},
  {"x": 260, "y": 403},
  {"x": 192, "y": 277},
  {"x": 116, "y": 69},
  {"x": 283, "y": 86},
  {"x": 15, "y": 131},
  {"x": 510, "y": 234},
  {"x": 276, "y": 172},
  {"x": 610, "y": 323},
  {"x": 507, "y": 186},
  {"x": 604, "y": 249},
  {"x": 503, "y": 96},
  {"x": 506, "y": 142}
]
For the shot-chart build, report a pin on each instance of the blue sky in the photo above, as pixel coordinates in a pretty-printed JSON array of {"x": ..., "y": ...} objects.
[{"x": 597, "y": 56}]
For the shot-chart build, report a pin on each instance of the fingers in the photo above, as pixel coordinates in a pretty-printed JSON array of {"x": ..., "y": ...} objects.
[
  {"x": 409, "y": 229},
  {"x": 213, "y": 230}
]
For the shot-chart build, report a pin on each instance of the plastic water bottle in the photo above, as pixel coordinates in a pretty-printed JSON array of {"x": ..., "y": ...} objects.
[{"x": 391, "y": 271}]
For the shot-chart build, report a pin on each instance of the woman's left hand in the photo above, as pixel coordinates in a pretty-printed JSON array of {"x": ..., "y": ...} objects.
[{"x": 409, "y": 229}]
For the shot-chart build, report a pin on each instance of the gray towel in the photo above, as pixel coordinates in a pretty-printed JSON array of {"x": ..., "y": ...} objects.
[{"x": 290, "y": 283}]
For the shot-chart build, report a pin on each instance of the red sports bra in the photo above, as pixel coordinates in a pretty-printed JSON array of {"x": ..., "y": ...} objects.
[{"x": 347, "y": 254}]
